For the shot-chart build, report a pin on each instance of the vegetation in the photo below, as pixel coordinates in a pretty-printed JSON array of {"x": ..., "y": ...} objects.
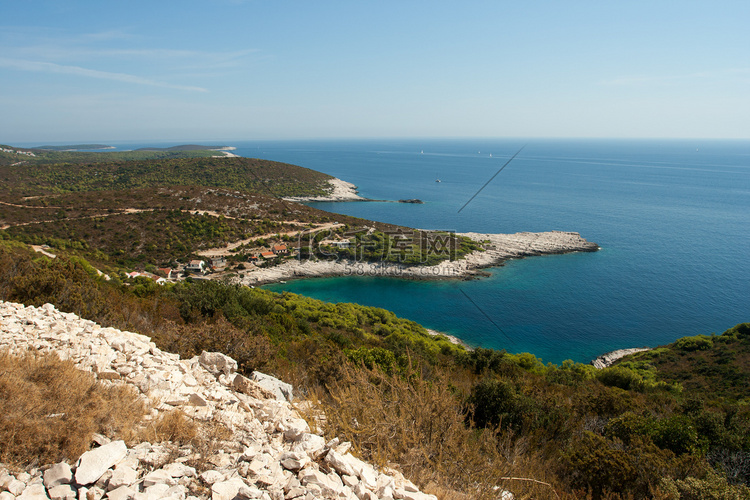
[
  {"x": 671, "y": 423},
  {"x": 456, "y": 421},
  {"x": 48, "y": 155}
]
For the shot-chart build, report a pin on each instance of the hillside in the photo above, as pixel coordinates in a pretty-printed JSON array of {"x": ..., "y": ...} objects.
[
  {"x": 160, "y": 213},
  {"x": 50, "y": 155},
  {"x": 229, "y": 434},
  {"x": 669, "y": 423},
  {"x": 454, "y": 420}
]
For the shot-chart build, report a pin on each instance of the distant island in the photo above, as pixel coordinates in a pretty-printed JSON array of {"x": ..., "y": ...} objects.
[
  {"x": 189, "y": 147},
  {"x": 74, "y": 147}
]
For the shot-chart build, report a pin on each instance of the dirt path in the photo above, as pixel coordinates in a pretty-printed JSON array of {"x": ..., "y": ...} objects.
[{"x": 226, "y": 250}]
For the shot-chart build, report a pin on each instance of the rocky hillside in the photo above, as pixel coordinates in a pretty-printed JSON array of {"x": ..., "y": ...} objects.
[{"x": 272, "y": 453}]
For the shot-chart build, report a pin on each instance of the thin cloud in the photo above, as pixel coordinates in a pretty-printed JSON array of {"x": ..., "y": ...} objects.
[{"x": 46, "y": 67}]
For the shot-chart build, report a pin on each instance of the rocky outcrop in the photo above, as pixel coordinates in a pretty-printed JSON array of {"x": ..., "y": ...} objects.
[
  {"x": 338, "y": 191},
  {"x": 273, "y": 453},
  {"x": 497, "y": 249},
  {"x": 608, "y": 359}
]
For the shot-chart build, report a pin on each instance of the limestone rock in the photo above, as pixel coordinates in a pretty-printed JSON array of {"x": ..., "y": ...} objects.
[
  {"x": 123, "y": 476},
  {"x": 62, "y": 492},
  {"x": 58, "y": 474},
  {"x": 251, "y": 388},
  {"x": 94, "y": 463},
  {"x": 282, "y": 390},
  {"x": 34, "y": 492},
  {"x": 121, "y": 493},
  {"x": 216, "y": 362},
  {"x": 227, "y": 490}
]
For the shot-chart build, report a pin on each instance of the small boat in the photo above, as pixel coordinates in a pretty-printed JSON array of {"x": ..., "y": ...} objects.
[{"x": 438, "y": 180}]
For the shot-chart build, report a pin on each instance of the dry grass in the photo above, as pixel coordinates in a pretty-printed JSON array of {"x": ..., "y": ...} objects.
[
  {"x": 420, "y": 426},
  {"x": 51, "y": 409},
  {"x": 172, "y": 426}
]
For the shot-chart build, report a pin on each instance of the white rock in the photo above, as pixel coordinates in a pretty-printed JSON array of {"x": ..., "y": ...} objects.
[
  {"x": 339, "y": 463},
  {"x": 7, "y": 495},
  {"x": 62, "y": 492},
  {"x": 249, "y": 492},
  {"x": 34, "y": 492},
  {"x": 94, "y": 463},
  {"x": 294, "y": 460},
  {"x": 211, "y": 476},
  {"x": 123, "y": 476},
  {"x": 177, "y": 469},
  {"x": 294, "y": 428},
  {"x": 311, "y": 444},
  {"x": 158, "y": 477},
  {"x": 15, "y": 486},
  {"x": 121, "y": 493},
  {"x": 227, "y": 490},
  {"x": 282, "y": 390},
  {"x": 157, "y": 491},
  {"x": 95, "y": 493},
  {"x": 216, "y": 362},
  {"x": 58, "y": 474}
]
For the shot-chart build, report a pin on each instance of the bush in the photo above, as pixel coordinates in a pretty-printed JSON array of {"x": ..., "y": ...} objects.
[
  {"x": 495, "y": 402},
  {"x": 696, "y": 343},
  {"x": 624, "y": 378}
]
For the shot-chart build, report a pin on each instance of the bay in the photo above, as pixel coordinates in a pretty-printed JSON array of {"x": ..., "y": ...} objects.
[{"x": 672, "y": 218}]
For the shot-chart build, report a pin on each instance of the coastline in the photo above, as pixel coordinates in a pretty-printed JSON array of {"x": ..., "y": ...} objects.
[
  {"x": 500, "y": 248},
  {"x": 340, "y": 191},
  {"x": 609, "y": 358}
]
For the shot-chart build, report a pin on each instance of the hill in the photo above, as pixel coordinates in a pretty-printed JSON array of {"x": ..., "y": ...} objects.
[
  {"x": 49, "y": 155},
  {"x": 73, "y": 147},
  {"x": 454, "y": 420},
  {"x": 185, "y": 147},
  {"x": 670, "y": 423}
]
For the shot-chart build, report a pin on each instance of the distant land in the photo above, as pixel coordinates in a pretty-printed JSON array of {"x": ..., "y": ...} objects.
[
  {"x": 74, "y": 147},
  {"x": 187, "y": 147}
]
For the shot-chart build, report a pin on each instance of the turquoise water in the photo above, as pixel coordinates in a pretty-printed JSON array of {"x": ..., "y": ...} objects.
[{"x": 672, "y": 218}]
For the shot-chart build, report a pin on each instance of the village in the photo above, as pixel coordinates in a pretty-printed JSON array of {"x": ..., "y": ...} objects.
[{"x": 237, "y": 261}]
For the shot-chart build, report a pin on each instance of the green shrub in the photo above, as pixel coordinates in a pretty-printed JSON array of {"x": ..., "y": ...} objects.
[
  {"x": 696, "y": 343},
  {"x": 624, "y": 378}
]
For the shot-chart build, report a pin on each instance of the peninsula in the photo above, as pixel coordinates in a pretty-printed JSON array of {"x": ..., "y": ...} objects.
[{"x": 497, "y": 248}]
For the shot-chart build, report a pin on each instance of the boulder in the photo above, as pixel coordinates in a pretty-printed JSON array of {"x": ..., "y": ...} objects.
[
  {"x": 94, "y": 463},
  {"x": 227, "y": 490},
  {"x": 34, "y": 492},
  {"x": 216, "y": 362},
  {"x": 62, "y": 492},
  {"x": 123, "y": 476},
  {"x": 281, "y": 390},
  {"x": 251, "y": 388},
  {"x": 121, "y": 493},
  {"x": 58, "y": 474}
]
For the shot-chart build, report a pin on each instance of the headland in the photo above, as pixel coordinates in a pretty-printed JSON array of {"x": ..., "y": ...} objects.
[{"x": 498, "y": 249}]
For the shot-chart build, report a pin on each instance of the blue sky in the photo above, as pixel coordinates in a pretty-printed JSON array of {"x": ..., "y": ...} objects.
[{"x": 239, "y": 70}]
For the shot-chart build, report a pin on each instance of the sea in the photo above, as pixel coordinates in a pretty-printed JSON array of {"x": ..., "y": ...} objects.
[{"x": 672, "y": 218}]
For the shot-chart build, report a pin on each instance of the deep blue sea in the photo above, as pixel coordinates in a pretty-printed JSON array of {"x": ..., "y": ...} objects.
[{"x": 672, "y": 218}]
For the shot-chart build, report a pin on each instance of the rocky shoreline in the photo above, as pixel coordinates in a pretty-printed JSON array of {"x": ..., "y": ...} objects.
[
  {"x": 608, "y": 359},
  {"x": 273, "y": 452},
  {"x": 340, "y": 191},
  {"x": 499, "y": 248}
]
